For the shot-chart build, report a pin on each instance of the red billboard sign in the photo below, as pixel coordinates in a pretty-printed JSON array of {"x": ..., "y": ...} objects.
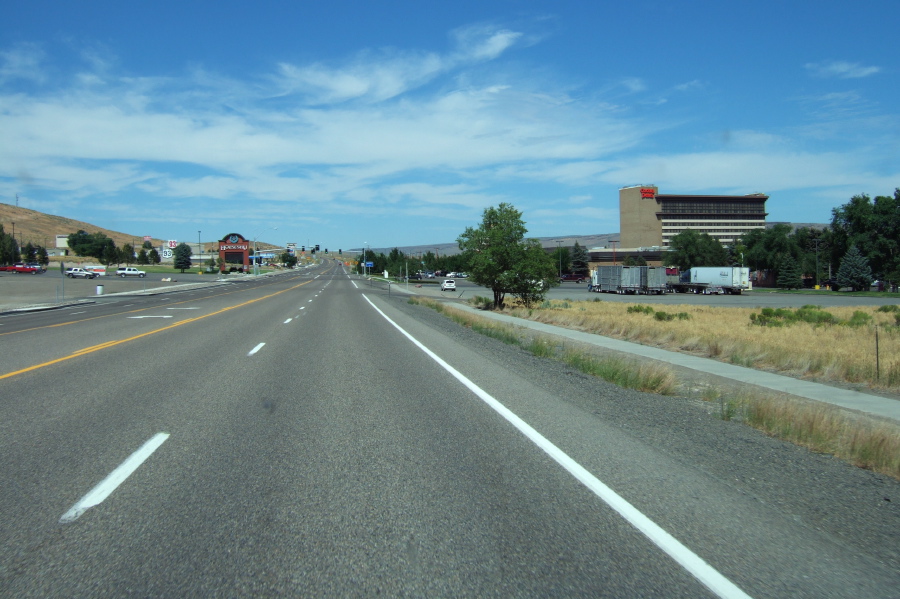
[{"x": 648, "y": 192}]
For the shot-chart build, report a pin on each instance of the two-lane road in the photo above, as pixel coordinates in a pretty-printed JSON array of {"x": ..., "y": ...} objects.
[{"x": 311, "y": 436}]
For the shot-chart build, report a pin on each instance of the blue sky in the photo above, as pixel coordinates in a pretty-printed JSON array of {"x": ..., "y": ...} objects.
[{"x": 397, "y": 123}]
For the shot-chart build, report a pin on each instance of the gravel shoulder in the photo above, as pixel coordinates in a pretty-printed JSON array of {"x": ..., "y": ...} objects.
[{"x": 856, "y": 508}]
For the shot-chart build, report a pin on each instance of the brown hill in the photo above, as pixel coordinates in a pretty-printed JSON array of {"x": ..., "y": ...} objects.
[{"x": 42, "y": 229}]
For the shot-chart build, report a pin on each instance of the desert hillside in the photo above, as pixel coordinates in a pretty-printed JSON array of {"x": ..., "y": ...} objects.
[{"x": 42, "y": 229}]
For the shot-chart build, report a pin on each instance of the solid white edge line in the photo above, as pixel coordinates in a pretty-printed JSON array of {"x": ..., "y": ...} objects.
[
  {"x": 109, "y": 484},
  {"x": 256, "y": 349},
  {"x": 690, "y": 561}
]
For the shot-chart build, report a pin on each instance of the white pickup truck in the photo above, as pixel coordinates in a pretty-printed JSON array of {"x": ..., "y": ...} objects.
[{"x": 129, "y": 271}]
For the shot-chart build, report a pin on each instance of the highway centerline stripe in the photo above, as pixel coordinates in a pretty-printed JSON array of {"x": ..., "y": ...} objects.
[
  {"x": 256, "y": 349},
  {"x": 113, "y": 343},
  {"x": 115, "y": 478},
  {"x": 690, "y": 561}
]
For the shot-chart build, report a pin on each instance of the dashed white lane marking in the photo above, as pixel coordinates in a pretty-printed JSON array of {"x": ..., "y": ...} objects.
[
  {"x": 256, "y": 349},
  {"x": 191, "y": 308},
  {"x": 74, "y": 313},
  {"x": 109, "y": 484},
  {"x": 690, "y": 561},
  {"x": 160, "y": 316},
  {"x": 288, "y": 320}
]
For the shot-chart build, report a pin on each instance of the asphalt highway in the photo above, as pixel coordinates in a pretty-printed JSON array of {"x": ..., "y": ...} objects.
[{"x": 309, "y": 435}]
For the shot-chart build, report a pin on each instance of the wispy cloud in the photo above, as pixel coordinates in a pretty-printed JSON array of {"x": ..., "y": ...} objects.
[
  {"x": 841, "y": 69},
  {"x": 23, "y": 61}
]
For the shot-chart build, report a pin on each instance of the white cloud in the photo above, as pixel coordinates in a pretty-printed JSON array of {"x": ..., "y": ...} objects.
[
  {"x": 483, "y": 42},
  {"x": 22, "y": 62},
  {"x": 841, "y": 69}
]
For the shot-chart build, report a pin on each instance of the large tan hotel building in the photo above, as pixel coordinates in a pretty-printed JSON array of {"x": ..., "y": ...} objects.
[{"x": 650, "y": 219}]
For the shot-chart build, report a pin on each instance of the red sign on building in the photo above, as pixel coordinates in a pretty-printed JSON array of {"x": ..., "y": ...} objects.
[{"x": 648, "y": 192}]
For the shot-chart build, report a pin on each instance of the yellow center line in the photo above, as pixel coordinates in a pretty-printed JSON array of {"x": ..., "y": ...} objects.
[
  {"x": 187, "y": 301},
  {"x": 94, "y": 348}
]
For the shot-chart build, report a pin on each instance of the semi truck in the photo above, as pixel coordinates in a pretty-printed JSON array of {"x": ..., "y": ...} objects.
[
  {"x": 713, "y": 280},
  {"x": 628, "y": 279}
]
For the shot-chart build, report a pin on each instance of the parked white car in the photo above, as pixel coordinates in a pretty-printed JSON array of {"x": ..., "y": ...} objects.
[
  {"x": 79, "y": 273},
  {"x": 448, "y": 285}
]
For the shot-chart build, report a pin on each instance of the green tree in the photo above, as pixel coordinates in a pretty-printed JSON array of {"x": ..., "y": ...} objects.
[
  {"x": 634, "y": 261},
  {"x": 126, "y": 254},
  {"x": 29, "y": 253},
  {"x": 95, "y": 245},
  {"x": 109, "y": 253},
  {"x": 499, "y": 258},
  {"x": 873, "y": 226},
  {"x": 854, "y": 270},
  {"x": 42, "y": 257},
  {"x": 143, "y": 257},
  {"x": 182, "y": 256},
  {"x": 536, "y": 274},
  {"x": 562, "y": 259},
  {"x": 9, "y": 249},
  {"x": 288, "y": 259},
  {"x": 154, "y": 256},
  {"x": 580, "y": 259},
  {"x": 789, "y": 275},
  {"x": 690, "y": 248}
]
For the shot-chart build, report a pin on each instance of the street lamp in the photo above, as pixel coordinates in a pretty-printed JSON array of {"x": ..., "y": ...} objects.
[
  {"x": 559, "y": 255},
  {"x": 200, "y": 246},
  {"x": 365, "y": 270}
]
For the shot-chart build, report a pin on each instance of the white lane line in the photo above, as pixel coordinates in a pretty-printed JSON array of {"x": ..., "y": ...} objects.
[
  {"x": 109, "y": 484},
  {"x": 303, "y": 307},
  {"x": 690, "y": 561},
  {"x": 309, "y": 302},
  {"x": 192, "y": 308},
  {"x": 160, "y": 316},
  {"x": 74, "y": 313},
  {"x": 288, "y": 320},
  {"x": 256, "y": 349}
]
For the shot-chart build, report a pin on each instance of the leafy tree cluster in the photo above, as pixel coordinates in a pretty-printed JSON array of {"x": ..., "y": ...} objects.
[
  {"x": 873, "y": 226},
  {"x": 397, "y": 263},
  {"x": 691, "y": 248},
  {"x": 500, "y": 258},
  {"x": 104, "y": 250},
  {"x": 9, "y": 248},
  {"x": 11, "y": 252}
]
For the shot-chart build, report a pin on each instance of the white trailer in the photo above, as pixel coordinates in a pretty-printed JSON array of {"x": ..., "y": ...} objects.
[{"x": 713, "y": 280}]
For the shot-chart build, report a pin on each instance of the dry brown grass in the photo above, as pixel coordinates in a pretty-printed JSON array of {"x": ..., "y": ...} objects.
[{"x": 831, "y": 352}]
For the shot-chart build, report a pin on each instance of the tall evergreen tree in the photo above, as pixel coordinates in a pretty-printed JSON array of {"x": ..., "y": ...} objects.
[
  {"x": 182, "y": 255},
  {"x": 789, "y": 275},
  {"x": 580, "y": 259},
  {"x": 854, "y": 270}
]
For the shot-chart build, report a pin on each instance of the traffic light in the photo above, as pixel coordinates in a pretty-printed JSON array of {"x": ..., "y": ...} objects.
[
  {"x": 340, "y": 253},
  {"x": 302, "y": 248},
  {"x": 326, "y": 250},
  {"x": 317, "y": 247}
]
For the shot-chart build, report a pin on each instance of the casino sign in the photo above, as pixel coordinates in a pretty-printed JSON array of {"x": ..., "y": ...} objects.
[{"x": 234, "y": 251}]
